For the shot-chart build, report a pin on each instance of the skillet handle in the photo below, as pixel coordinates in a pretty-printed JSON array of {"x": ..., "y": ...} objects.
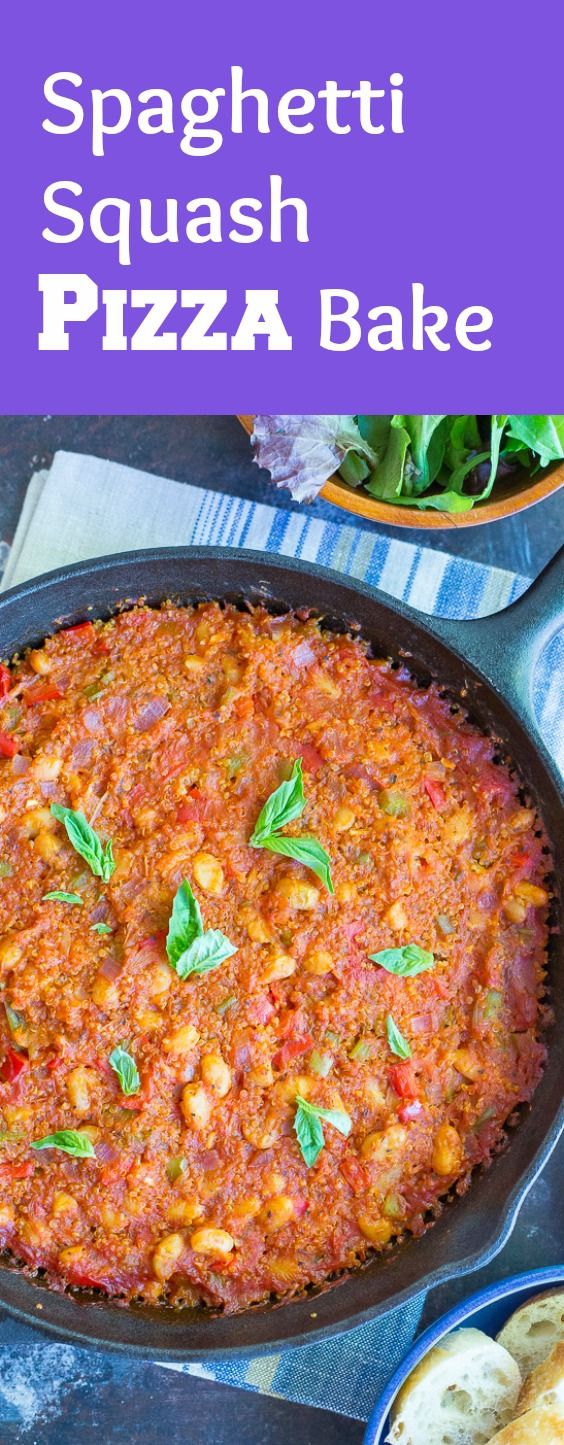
[{"x": 506, "y": 646}]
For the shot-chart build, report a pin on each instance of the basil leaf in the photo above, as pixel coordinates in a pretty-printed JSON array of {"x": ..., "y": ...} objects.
[
  {"x": 101, "y": 928},
  {"x": 126, "y": 1069},
  {"x": 309, "y": 1134},
  {"x": 206, "y": 951},
  {"x": 85, "y": 841},
  {"x": 189, "y": 948},
  {"x": 69, "y": 1141},
  {"x": 309, "y": 1130},
  {"x": 58, "y": 896},
  {"x": 304, "y": 850},
  {"x": 396, "y": 1040},
  {"x": 185, "y": 923},
  {"x": 283, "y": 805},
  {"x": 406, "y": 962},
  {"x": 337, "y": 1117}
]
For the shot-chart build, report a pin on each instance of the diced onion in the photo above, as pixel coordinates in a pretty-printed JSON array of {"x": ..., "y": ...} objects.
[
  {"x": 151, "y": 713},
  {"x": 20, "y": 764}
]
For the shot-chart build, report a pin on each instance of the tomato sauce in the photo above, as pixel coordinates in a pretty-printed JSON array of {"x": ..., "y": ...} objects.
[{"x": 169, "y": 729}]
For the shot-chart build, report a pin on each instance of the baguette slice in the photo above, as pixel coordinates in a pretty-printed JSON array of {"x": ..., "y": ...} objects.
[
  {"x": 536, "y": 1427},
  {"x": 545, "y": 1385},
  {"x": 532, "y": 1330},
  {"x": 462, "y": 1391}
]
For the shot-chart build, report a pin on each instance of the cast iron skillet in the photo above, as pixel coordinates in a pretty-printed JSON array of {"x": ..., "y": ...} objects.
[{"x": 489, "y": 664}]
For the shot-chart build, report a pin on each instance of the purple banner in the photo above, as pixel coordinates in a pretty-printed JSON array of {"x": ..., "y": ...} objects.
[{"x": 420, "y": 154}]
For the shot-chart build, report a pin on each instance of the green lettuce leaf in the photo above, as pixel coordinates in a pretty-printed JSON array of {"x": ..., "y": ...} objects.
[
  {"x": 429, "y": 436},
  {"x": 386, "y": 480},
  {"x": 543, "y": 435}
]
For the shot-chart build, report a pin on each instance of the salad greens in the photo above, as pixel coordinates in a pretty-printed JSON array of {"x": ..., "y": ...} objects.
[{"x": 443, "y": 462}]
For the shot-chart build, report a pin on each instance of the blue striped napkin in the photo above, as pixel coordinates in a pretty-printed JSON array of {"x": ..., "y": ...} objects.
[{"x": 84, "y": 507}]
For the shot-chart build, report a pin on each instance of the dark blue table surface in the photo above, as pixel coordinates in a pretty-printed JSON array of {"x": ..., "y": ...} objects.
[{"x": 51, "y": 1394}]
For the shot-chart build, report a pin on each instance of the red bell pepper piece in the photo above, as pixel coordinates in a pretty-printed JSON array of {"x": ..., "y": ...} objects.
[
  {"x": 6, "y": 680},
  {"x": 45, "y": 692},
  {"x": 53, "y": 1063},
  {"x": 8, "y": 746},
  {"x": 354, "y": 1173},
  {"x": 79, "y": 629},
  {"x": 403, "y": 1080},
  {"x": 244, "y": 707},
  {"x": 292, "y": 1050},
  {"x": 311, "y": 758},
  {"x": 435, "y": 792},
  {"x": 192, "y": 809},
  {"x": 17, "y": 1171},
  {"x": 520, "y": 860},
  {"x": 260, "y": 1009},
  {"x": 12, "y": 1066},
  {"x": 85, "y": 1281}
]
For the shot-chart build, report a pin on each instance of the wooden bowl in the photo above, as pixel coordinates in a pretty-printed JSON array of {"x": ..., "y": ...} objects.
[{"x": 508, "y": 497}]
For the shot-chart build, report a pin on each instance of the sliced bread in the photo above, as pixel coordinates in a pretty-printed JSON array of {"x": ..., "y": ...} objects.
[
  {"x": 464, "y": 1390},
  {"x": 536, "y": 1427},
  {"x": 545, "y": 1384},
  {"x": 533, "y": 1329}
]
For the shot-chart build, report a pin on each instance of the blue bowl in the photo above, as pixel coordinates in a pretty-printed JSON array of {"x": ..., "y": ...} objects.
[{"x": 486, "y": 1310}]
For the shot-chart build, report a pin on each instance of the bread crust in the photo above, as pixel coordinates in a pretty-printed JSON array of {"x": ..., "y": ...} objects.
[
  {"x": 537, "y": 1427},
  {"x": 530, "y": 1347},
  {"x": 548, "y": 1377}
]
